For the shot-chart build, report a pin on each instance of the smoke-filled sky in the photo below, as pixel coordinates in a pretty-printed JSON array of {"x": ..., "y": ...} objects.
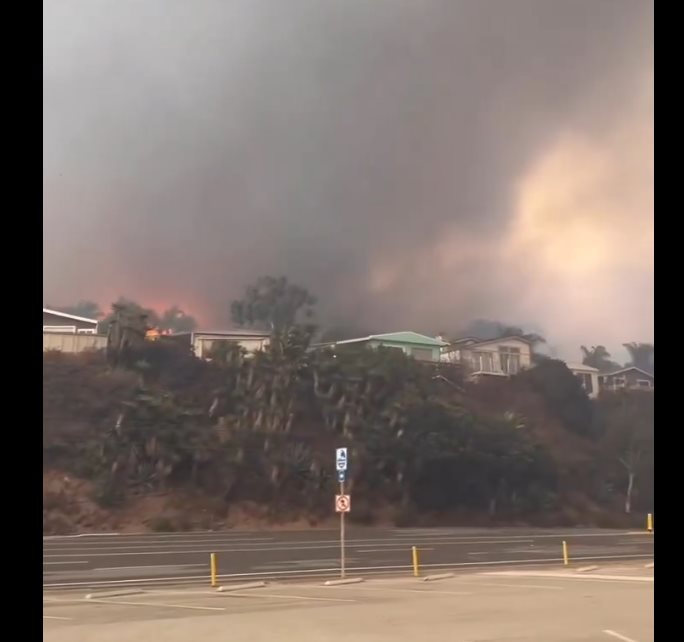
[{"x": 415, "y": 163}]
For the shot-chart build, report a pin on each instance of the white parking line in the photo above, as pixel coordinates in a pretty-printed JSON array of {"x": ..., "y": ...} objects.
[
  {"x": 290, "y": 597},
  {"x": 518, "y": 586},
  {"x": 53, "y": 537},
  {"x": 56, "y": 617},
  {"x": 391, "y": 550},
  {"x": 566, "y": 576},
  {"x": 619, "y": 636},
  {"x": 69, "y": 563},
  {"x": 160, "y": 604},
  {"x": 396, "y": 590},
  {"x": 192, "y": 593},
  {"x": 127, "y": 568}
]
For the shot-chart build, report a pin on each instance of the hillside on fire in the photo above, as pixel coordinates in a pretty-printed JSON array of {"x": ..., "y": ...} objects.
[{"x": 161, "y": 440}]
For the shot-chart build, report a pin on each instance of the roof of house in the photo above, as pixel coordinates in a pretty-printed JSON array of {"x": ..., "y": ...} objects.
[
  {"x": 73, "y": 317},
  {"x": 617, "y": 372},
  {"x": 580, "y": 366},
  {"x": 406, "y": 336},
  {"x": 476, "y": 341},
  {"x": 467, "y": 340},
  {"x": 239, "y": 332}
]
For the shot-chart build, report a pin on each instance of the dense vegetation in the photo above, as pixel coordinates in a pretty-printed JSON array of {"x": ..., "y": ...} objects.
[{"x": 426, "y": 446}]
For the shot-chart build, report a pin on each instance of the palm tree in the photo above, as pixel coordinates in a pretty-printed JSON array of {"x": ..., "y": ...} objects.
[
  {"x": 177, "y": 320},
  {"x": 641, "y": 355},
  {"x": 598, "y": 357}
]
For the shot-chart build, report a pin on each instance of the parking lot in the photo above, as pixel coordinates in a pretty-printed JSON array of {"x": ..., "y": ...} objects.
[{"x": 541, "y": 605}]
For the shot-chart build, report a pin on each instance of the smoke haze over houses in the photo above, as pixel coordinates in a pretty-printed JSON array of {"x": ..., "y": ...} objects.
[{"x": 414, "y": 163}]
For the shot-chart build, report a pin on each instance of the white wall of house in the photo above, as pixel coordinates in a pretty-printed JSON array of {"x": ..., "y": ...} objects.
[
  {"x": 203, "y": 344},
  {"x": 588, "y": 376},
  {"x": 506, "y": 356},
  {"x": 73, "y": 342}
]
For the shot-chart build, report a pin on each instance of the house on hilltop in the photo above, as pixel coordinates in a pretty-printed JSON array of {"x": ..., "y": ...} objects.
[
  {"x": 63, "y": 323},
  {"x": 502, "y": 357},
  {"x": 413, "y": 344},
  {"x": 202, "y": 342},
  {"x": 630, "y": 378},
  {"x": 588, "y": 376},
  {"x": 64, "y": 332}
]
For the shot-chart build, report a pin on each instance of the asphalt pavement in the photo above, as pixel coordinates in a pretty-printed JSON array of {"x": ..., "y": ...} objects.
[
  {"x": 521, "y": 605},
  {"x": 130, "y": 559}
]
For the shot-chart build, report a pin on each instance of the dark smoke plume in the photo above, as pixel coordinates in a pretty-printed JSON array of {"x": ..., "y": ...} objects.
[{"x": 414, "y": 163}]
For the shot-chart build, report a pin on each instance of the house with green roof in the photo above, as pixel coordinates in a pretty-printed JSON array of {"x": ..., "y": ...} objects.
[{"x": 412, "y": 344}]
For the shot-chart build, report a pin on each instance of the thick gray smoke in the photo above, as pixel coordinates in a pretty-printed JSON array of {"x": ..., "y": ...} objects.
[{"x": 415, "y": 163}]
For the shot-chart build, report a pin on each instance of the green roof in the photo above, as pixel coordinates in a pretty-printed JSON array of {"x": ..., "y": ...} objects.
[{"x": 409, "y": 337}]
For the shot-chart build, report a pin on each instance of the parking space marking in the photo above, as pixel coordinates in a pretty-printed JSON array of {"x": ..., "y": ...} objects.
[
  {"x": 565, "y": 576},
  {"x": 67, "y": 563},
  {"x": 128, "y": 568},
  {"x": 56, "y": 617},
  {"x": 618, "y": 636},
  {"x": 390, "y": 550},
  {"x": 187, "y": 592},
  {"x": 160, "y": 604},
  {"x": 396, "y": 590},
  {"x": 523, "y": 586},
  {"x": 290, "y": 597}
]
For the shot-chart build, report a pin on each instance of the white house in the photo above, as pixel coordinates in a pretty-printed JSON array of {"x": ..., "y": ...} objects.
[
  {"x": 629, "y": 378},
  {"x": 55, "y": 321},
  {"x": 501, "y": 357},
  {"x": 588, "y": 376},
  {"x": 70, "y": 333},
  {"x": 203, "y": 341}
]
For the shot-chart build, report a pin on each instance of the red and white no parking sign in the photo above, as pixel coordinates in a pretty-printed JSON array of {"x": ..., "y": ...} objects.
[{"x": 342, "y": 503}]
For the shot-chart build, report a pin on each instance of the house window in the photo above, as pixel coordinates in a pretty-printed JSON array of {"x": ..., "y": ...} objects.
[
  {"x": 453, "y": 356},
  {"x": 384, "y": 347},
  {"x": 421, "y": 354},
  {"x": 585, "y": 380},
  {"x": 483, "y": 362},
  {"x": 86, "y": 331},
  {"x": 643, "y": 383},
  {"x": 618, "y": 382},
  {"x": 510, "y": 360}
]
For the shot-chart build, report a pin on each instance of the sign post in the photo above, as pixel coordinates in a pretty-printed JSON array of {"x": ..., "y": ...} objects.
[
  {"x": 342, "y": 534},
  {"x": 342, "y": 503}
]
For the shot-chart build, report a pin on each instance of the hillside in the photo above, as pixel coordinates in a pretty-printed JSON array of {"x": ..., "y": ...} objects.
[{"x": 175, "y": 443}]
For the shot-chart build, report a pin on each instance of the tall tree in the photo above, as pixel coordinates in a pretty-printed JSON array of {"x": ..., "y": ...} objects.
[
  {"x": 88, "y": 309},
  {"x": 598, "y": 357},
  {"x": 627, "y": 421},
  {"x": 177, "y": 320},
  {"x": 131, "y": 308},
  {"x": 274, "y": 304},
  {"x": 641, "y": 355}
]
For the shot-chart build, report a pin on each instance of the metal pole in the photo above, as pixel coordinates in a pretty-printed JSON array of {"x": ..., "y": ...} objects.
[
  {"x": 414, "y": 555},
  {"x": 212, "y": 566},
  {"x": 342, "y": 535}
]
